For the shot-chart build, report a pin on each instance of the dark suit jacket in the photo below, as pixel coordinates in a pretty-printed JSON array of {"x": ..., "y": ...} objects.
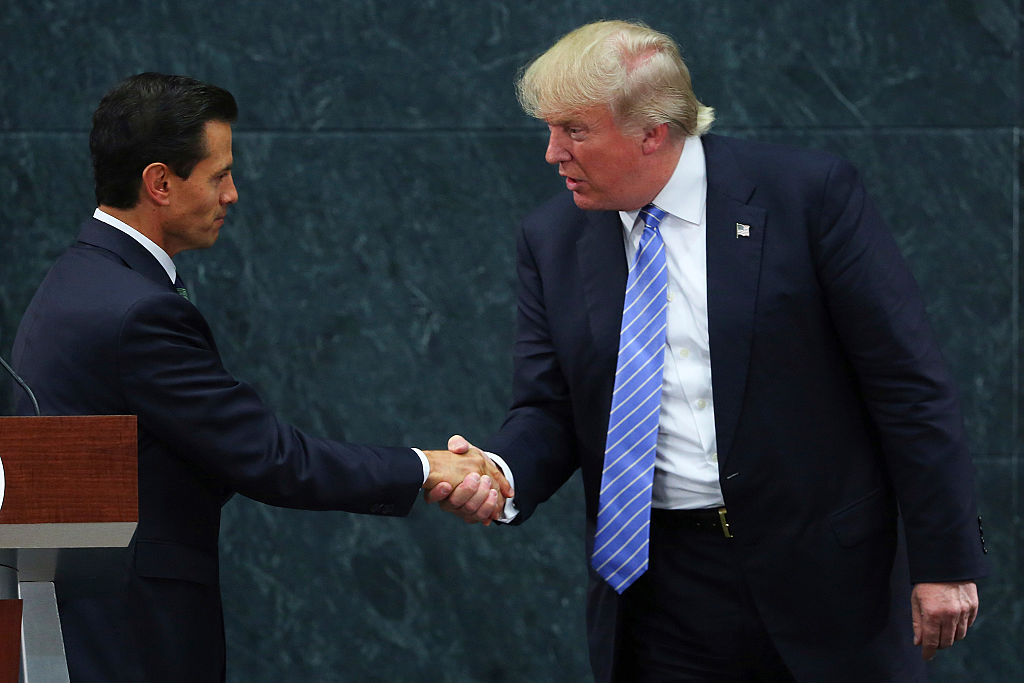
[
  {"x": 832, "y": 405},
  {"x": 107, "y": 334}
]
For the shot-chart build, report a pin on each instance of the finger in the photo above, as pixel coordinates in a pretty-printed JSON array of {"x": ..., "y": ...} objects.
[
  {"x": 485, "y": 513},
  {"x": 500, "y": 483},
  {"x": 478, "y": 498},
  {"x": 438, "y": 493},
  {"x": 464, "y": 491},
  {"x": 489, "y": 511},
  {"x": 915, "y": 616},
  {"x": 972, "y": 604},
  {"x": 499, "y": 507},
  {"x": 458, "y": 444},
  {"x": 947, "y": 632},
  {"x": 457, "y": 511},
  {"x": 972, "y": 615},
  {"x": 930, "y": 641},
  {"x": 504, "y": 487},
  {"x": 928, "y": 636},
  {"x": 961, "y": 627}
]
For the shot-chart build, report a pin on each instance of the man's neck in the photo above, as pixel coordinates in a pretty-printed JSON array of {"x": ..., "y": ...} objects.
[
  {"x": 137, "y": 218},
  {"x": 120, "y": 222},
  {"x": 664, "y": 165},
  {"x": 670, "y": 159}
]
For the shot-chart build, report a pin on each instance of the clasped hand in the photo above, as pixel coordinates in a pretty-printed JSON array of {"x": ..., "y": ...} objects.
[
  {"x": 942, "y": 613},
  {"x": 466, "y": 482}
]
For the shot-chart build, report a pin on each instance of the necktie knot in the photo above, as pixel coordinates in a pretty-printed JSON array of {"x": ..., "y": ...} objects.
[
  {"x": 179, "y": 287},
  {"x": 652, "y": 216}
]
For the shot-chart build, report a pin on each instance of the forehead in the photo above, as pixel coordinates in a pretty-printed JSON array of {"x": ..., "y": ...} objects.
[
  {"x": 217, "y": 135},
  {"x": 598, "y": 116}
]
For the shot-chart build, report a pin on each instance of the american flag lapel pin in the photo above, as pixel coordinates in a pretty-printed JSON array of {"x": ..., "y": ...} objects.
[{"x": 742, "y": 230}]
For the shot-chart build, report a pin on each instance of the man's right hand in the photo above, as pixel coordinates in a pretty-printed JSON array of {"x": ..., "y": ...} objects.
[{"x": 466, "y": 482}]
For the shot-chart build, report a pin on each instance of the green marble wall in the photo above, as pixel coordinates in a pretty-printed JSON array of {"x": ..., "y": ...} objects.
[{"x": 364, "y": 282}]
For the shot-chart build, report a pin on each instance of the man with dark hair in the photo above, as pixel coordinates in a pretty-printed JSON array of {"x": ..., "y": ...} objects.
[
  {"x": 723, "y": 337},
  {"x": 151, "y": 116},
  {"x": 111, "y": 331}
]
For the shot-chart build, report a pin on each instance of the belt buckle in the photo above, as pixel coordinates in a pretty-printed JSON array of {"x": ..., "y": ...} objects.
[{"x": 724, "y": 523}]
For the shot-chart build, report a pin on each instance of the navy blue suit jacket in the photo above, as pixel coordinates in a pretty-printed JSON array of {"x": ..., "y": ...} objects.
[
  {"x": 107, "y": 334},
  {"x": 832, "y": 404}
]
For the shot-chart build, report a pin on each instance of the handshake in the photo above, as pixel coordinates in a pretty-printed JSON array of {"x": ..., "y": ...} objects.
[{"x": 466, "y": 482}]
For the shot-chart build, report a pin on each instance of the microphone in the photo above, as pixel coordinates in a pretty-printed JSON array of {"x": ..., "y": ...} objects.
[{"x": 21, "y": 383}]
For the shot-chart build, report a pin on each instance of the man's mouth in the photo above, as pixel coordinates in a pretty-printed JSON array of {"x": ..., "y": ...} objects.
[{"x": 572, "y": 183}]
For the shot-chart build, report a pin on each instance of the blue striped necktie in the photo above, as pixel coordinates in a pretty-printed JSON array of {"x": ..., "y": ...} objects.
[{"x": 624, "y": 513}]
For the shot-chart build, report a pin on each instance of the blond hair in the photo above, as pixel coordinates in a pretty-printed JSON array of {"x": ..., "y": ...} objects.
[{"x": 628, "y": 66}]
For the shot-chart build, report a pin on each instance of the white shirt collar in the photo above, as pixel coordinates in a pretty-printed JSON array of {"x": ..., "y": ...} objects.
[
  {"x": 685, "y": 194},
  {"x": 159, "y": 254}
]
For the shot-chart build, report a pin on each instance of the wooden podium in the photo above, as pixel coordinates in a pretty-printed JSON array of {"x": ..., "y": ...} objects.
[{"x": 70, "y": 499}]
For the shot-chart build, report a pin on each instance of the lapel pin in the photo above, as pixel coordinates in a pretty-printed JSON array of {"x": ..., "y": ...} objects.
[{"x": 742, "y": 230}]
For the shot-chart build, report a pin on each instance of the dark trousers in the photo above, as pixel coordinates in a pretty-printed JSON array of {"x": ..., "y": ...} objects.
[{"x": 690, "y": 616}]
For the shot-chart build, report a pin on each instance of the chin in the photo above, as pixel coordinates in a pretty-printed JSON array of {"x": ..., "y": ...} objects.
[{"x": 584, "y": 202}]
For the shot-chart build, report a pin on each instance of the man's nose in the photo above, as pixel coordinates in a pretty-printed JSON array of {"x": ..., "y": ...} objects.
[
  {"x": 230, "y": 194},
  {"x": 556, "y": 152}
]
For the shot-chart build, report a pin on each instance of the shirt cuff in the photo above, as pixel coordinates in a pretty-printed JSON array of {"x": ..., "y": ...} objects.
[
  {"x": 426, "y": 464},
  {"x": 511, "y": 511}
]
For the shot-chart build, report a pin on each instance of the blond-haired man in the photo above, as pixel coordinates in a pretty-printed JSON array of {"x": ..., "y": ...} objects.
[{"x": 800, "y": 398}]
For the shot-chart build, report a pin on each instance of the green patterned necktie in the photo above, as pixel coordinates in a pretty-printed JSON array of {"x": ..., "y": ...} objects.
[{"x": 179, "y": 287}]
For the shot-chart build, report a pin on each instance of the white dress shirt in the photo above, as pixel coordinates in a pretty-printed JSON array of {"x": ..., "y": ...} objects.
[
  {"x": 686, "y": 464},
  {"x": 151, "y": 246}
]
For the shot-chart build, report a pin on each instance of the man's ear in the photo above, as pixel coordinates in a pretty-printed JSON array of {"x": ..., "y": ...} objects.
[
  {"x": 655, "y": 138},
  {"x": 155, "y": 183}
]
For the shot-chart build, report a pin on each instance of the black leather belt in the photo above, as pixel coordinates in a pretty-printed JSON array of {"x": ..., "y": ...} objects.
[{"x": 711, "y": 520}]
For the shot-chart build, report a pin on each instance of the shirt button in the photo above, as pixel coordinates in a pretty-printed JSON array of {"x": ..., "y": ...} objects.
[
  {"x": 670, "y": 296},
  {"x": 714, "y": 457},
  {"x": 701, "y": 404},
  {"x": 684, "y": 353}
]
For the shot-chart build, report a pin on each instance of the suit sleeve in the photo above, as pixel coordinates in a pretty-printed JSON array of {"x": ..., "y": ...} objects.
[
  {"x": 880, "y": 318},
  {"x": 537, "y": 439},
  {"x": 173, "y": 379}
]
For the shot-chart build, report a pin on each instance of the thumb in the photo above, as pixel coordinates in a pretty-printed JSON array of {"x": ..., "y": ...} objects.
[
  {"x": 506, "y": 488},
  {"x": 458, "y": 444}
]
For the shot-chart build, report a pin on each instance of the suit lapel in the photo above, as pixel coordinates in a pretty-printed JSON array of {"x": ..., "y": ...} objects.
[
  {"x": 602, "y": 264},
  {"x": 96, "y": 233},
  {"x": 733, "y": 264},
  {"x": 734, "y": 244}
]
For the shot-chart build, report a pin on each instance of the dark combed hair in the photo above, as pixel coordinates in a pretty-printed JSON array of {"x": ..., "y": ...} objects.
[{"x": 150, "y": 118}]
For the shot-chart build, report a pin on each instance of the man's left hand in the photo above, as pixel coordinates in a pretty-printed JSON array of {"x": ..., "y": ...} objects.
[{"x": 942, "y": 613}]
